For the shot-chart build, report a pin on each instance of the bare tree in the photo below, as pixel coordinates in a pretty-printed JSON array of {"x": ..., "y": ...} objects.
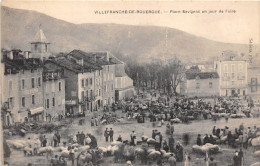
[{"x": 177, "y": 70}]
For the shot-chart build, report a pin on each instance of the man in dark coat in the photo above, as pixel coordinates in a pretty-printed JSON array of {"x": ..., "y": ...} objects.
[
  {"x": 199, "y": 142},
  {"x": 171, "y": 144},
  {"x": 179, "y": 152},
  {"x": 111, "y": 134},
  {"x": 106, "y": 134}
]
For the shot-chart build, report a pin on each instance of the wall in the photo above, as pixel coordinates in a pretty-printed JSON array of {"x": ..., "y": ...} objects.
[
  {"x": 28, "y": 91},
  {"x": 13, "y": 92},
  {"x": 108, "y": 84},
  {"x": 233, "y": 77},
  {"x": 51, "y": 90},
  {"x": 204, "y": 87}
]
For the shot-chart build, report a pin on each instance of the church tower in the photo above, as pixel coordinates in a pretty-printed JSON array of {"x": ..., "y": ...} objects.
[{"x": 40, "y": 46}]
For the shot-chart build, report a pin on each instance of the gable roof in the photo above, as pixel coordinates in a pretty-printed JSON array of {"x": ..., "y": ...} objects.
[
  {"x": 202, "y": 75},
  {"x": 73, "y": 66},
  {"x": 90, "y": 57}
]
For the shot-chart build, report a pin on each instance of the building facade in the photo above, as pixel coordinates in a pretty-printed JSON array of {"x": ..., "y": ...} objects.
[
  {"x": 54, "y": 94},
  {"x": 123, "y": 83},
  {"x": 233, "y": 77},
  {"x": 200, "y": 84},
  {"x": 253, "y": 78},
  {"x": 24, "y": 95}
]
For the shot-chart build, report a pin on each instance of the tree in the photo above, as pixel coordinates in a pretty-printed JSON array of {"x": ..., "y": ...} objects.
[{"x": 177, "y": 73}]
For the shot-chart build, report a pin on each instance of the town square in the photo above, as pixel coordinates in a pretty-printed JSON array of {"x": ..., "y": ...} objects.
[{"x": 100, "y": 94}]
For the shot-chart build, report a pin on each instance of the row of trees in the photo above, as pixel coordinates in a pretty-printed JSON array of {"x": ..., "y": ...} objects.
[{"x": 159, "y": 75}]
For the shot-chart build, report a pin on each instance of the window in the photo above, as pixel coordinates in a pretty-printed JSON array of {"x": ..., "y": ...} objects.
[
  {"x": 240, "y": 67},
  {"x": 238, "y": 91},
  {"x": 33, "y": 83},
  {"x": 46, "y": 48},
  {"x": 233, "y": 68},
  {"x": 22, "y": 84},
  {"x": 107, "y": 68},
  {"x": 253, "y": 88},
  {"x": 99, "y": 92},
  {"x": 82, "y": 95},
  {"x": 99, "y": 72},
  {"x": 253, "y": 81},
  {"x": 105, "y": 88},
  {"x": 233, "y": 75},
  {"x": 53, "y": 102},
  {"x": 23, "y": 101},
  {"x": 59, "y": 86},
  {"x": 33, "y": 99},
  {"x": 87, "y": 93},
  {"x": 197, "y": 85},
  {"x": 47, "y": 103},
  {"x": 86, "y": 82},
  {"x": 10, "y": 85},
  {"x": 35, "y": 47},
  {"x": 90, "y": 81},
  {"x": 91, "y": 93},
  {"x": 210, "y": 84},
  {"x": 39, "y": 81},
  {"x": 82, "y": 83},
  {"x": 32, "y": 70},
  {"x": 225, "y": 68}
]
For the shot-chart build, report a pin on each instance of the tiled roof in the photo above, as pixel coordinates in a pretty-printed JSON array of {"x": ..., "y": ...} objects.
[
  {"x": 73, "y": 66},
  {"x": 90, "y": 57},
  {"x": 202, "y": 75},
  {"x": 25, "y": 64}
]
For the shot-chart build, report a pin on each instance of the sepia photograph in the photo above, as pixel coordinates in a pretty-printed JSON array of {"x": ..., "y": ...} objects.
[{"x": 130, "y": 83}]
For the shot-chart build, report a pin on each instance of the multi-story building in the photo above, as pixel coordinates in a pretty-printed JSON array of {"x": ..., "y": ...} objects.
[
  {"x": 253, "y": 78},
  {"x": 23, "y": 77},
  {"x": 200, "y": 84},
  {"x": 233, "y": 76},
  {"x": 123, "y": 83},
  {"x": 54, "y": 94},
  {"x": 104, "y": 78},
  {"x": 79, "y": 83}
]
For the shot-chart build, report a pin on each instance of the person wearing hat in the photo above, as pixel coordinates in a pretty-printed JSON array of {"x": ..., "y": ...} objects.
[
  {"x": 199, "y": 142},
  {"x": 106, "y": 134},
  {"x": 172, "y": 160},
  {"x": 236, "y": 159}
]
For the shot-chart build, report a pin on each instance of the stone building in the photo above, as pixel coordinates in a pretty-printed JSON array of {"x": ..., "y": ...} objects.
[
  {"x": 200, "y": 84},
  {"x": 54, "y": 94},
  {"x": 24, "y": 95},
  {"x": 233, "y": 76}
]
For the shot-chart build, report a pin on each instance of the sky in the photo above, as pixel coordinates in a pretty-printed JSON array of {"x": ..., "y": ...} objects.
[{"x": 229, "y": 27}]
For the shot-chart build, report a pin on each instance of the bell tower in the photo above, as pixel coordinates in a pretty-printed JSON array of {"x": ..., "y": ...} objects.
[{"x": 40, "y": 46}]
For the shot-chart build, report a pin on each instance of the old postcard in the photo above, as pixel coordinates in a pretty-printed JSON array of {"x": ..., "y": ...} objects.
[{"x": 87, "y": 83}]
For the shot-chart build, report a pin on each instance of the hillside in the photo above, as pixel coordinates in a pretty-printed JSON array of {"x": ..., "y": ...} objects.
[{"x": 139, "y": 42}]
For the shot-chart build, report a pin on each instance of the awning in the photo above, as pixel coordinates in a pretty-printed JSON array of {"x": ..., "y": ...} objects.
[{"x": 36, "y": 110}]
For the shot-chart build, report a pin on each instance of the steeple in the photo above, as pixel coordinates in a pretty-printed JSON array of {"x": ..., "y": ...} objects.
[{"x": 40, "y": 45}]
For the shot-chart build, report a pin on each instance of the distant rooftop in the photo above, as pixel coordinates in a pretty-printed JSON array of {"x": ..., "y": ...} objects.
[{"x": 201, "y": 75}]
